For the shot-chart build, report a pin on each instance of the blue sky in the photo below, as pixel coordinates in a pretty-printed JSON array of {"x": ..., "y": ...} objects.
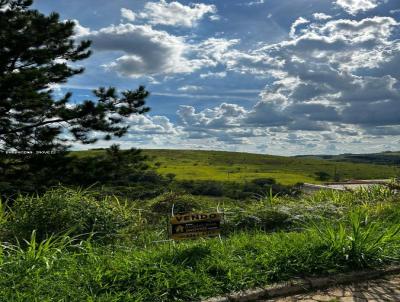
[{"x": 274, "y": 76}]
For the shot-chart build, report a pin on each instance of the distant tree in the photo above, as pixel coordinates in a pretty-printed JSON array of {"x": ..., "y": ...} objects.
[
  {"x": 322, "y": 175},
  {"x": 262, "y": 182},
  {"x": 113, "y": 167},
  {"x": 336, "y": 175},
  {"x": 170, "y": 176}
]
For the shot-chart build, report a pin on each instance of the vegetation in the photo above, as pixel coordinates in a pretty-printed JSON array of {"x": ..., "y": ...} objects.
[
  {"x": 269, "y": 239},
  {"x": 383, "y": 158},
  {"x": 38, "y": 52},
  {"x": 109, "y": 241},
  {"x": 114, "y": 171},
  {"x": 244, "y": 167}
]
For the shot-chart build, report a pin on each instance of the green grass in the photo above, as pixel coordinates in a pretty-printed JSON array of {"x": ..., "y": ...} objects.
[
  {"x": 270, "y": 239},
  {"x": 242, "y": 167},
  {"x": 188, "y": 271}
]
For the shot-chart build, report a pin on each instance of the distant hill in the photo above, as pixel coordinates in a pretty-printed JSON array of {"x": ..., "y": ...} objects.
[
  {"x": 383, "y": 158},
  {"x": 242, "y": 167}
]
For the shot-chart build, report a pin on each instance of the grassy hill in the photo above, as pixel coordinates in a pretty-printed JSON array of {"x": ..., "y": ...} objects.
[
  {"x": 383, "y": 158},
  {"x": 241, "y": 167}
]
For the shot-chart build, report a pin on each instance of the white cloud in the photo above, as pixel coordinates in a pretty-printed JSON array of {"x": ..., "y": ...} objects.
[
  {"x": 128, "y": 14},
  {"x": 354, "y": 7},
  {"x": 190, "y": 88},
  {"x": 150, "y": 125},
  {"x": 296, "y": 24},
  {"x": 341, "y": 72},
  {"x": 223, "y": 116},
  {"x": 147, "y": 51},
  {"x": 256, "y": 2},
  {"x": 175, "y": 13},
  {"x": 209, "y": 74},
  {"x": 80, "y": 31},
  {"x": 321, "y": 16},
  {"x": 216, "y": 49},
  {"x": 330, "y": 80},
  {"x": 215, "y": 18}
]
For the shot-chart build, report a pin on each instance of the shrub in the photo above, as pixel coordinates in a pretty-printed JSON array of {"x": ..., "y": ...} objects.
[
  {"x": 182, "y": 203},
  {"x": 263, "y": 219},
  {"x": 207, "y": 187},
  {"x": 264, "y": 181},
  {"x": 322, "y": 175},
  {"x": 61, "y": 210}
]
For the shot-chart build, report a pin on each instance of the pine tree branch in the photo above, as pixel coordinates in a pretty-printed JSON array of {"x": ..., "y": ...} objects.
[{"x": 34, "y": 126}]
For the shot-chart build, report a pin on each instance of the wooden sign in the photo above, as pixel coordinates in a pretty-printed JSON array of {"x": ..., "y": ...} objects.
[{"x": 195, "y": 225}]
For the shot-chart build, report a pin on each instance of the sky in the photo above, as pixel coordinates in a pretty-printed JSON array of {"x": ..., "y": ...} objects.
[{"x": 281, "y": 77}]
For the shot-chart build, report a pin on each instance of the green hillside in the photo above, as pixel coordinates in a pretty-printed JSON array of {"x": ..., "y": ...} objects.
[
  {"x": 383, "y": 158},
  {"x": 241, "y": 167}
]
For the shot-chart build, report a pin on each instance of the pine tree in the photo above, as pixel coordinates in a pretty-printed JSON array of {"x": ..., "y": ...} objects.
[{"x": 35, "y": 53}]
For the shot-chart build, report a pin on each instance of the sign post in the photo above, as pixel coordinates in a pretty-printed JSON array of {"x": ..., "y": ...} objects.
[{"x": 195, "y": 225}]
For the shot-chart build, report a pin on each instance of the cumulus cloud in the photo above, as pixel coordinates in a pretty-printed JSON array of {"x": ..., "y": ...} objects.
[
  {"x": 321, "y": 16},
  {"x": 147, "y": 51},
  {"x": 232, "y": 123},
  {"x": 79, "y": 30},
  {"x": 331, "y": 77},
  {"x": 128, "y": 14},
  {"x": 296, "y": 24},
  {"x": 217, "y": 50},
  {"x": 223, "y": 123},
  {"x": 150, "y": 125},
  {"x": 330, "y": 80},
  {"x": 223, "y": 116},
  {"x": 175, "y": 13},
  {"x": 353, "y": 7},
  {"x": 267, "y": 113}
]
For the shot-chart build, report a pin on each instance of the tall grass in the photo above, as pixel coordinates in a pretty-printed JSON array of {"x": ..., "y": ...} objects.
[
  {"x": 140, "y": 267},
  {"x": 357, "y": 242},
  {"x": 367, "y": 195},
  {"x": 188, "y": 271}
]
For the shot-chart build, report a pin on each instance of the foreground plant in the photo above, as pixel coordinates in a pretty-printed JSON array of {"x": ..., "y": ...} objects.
[{"x": 358, "y": 242}]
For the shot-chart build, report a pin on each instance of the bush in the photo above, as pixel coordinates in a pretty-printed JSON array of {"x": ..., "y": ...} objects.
[
  {"x": 205, "y": 187},
  {"x": 66, "y": 210},
  {"x": 265, "y": 220},
  {"x": 182, "y": 203},
  {"x": 264, "y": 181},
  {"x": 322, "y": 175},
  {"x": 136, "y": 191},
  {"x": 233, "y": 190}
]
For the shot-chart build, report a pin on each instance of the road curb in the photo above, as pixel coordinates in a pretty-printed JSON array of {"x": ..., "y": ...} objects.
[{"x": 300, "y": 286}]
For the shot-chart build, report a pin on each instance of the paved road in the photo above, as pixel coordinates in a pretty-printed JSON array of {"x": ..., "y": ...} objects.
[{"x": 387, "y": 289}]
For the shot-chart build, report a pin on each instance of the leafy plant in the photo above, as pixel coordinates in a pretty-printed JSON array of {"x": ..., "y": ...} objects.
[
  {"x": 62, "y": 209},
  {"x": 357, "y": 243}
]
